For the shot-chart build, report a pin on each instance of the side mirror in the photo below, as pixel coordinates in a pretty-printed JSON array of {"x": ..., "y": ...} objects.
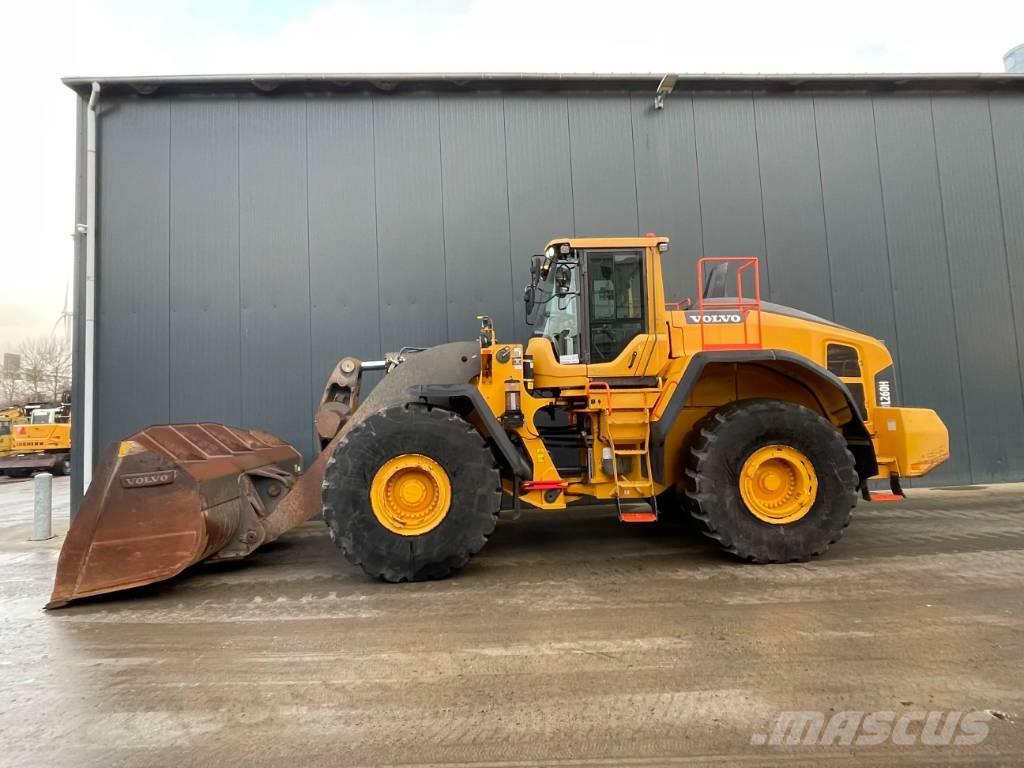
[
  {"x": 535, "y": 265},
  {"x": 563, "y": 279},
  {"x": 529, "y": 298}
]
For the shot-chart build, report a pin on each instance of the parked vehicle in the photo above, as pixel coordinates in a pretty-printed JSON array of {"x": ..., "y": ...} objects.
[{"x": 40, "y": 442}]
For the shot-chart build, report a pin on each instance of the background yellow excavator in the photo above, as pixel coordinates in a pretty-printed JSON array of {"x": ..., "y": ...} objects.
[
  {"x": 37, "y": 439},
  {"x": 762, "y": 422},
  {"x": 8, "y": 418}
]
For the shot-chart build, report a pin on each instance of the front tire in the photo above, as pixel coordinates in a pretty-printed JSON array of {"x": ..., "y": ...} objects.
[
  {"x": 771, "y": 481},
  {"x": 411, "y": 493}
]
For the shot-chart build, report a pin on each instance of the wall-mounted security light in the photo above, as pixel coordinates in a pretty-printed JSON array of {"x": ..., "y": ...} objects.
[{"x": 668, "y": 82}]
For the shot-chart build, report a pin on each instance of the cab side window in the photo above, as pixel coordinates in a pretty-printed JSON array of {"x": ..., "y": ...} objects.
[{"x": 616, "y": 304}]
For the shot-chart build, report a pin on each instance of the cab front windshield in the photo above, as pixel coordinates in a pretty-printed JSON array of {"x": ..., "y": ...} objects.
[{"x": 558, "y": 296}]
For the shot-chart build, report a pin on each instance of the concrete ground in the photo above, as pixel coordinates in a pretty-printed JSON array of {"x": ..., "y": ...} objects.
[{"x": 571, "y": 640}]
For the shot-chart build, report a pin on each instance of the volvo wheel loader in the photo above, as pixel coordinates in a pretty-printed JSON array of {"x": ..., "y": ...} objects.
[{"x": 762, "y": 422}]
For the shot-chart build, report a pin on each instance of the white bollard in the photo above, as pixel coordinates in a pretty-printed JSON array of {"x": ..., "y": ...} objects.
[{"x": 42, "y": 528}]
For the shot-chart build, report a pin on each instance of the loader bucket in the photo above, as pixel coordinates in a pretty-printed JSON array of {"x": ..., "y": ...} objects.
[
  {"x": 173, "y": 495},
  {"x": 168, "y": 497}
]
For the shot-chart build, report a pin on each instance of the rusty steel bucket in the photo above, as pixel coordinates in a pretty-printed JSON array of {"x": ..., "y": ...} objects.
[
  {"x": 171, "y": 496},
  {"x": 168, "y": 497}
]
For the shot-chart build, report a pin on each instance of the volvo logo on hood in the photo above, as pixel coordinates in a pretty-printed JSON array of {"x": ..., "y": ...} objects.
[{"x": 714, "y": 318}]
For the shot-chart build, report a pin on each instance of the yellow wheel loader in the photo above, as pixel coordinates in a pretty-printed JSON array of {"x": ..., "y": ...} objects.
[{"x": 762, "y": 422}]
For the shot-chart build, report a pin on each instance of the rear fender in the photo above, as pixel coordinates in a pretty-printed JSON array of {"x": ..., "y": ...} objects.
[{"x": 833, "y": 398}]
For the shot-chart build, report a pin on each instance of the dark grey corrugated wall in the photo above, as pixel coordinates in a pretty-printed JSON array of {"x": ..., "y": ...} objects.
[{"x": 247, "y": 242}]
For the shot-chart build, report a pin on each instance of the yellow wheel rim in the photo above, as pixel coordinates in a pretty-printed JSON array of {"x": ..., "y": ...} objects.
[
  {"x": 410, "y": 494},
  {"x": 778, "y": 484}
]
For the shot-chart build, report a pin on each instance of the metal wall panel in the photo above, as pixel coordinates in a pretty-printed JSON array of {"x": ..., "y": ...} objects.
[
  {"x": 478, "y": 261},
  {"x": 794, "y": 219},
  {"x": 410, "y": 233},
  {"x": 667, "y": 186},
  {"x": 274, "y": 269},
  {"x": 730, "y": 184},
  {"x": 254, "y": 242},
  {"x": 539, "y": 184},
  {"x": 205, "y": 350},
  {"x": 132, "y": 296},
  {"x": 854, "y": 219},
  {"x": 981, "y": 294},
  {"x": 344, "y": 291},
  {"x": 1008, "y": 140},
  {"x": 603, "y": 173},
  {"x": 929, "y": 370}
]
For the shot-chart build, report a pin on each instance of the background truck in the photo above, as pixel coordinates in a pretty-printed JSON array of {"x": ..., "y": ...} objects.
[{"x": 760, "y": 421}]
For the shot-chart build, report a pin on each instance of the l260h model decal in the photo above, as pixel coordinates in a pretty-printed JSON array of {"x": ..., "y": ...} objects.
[{"x": 885, "y": 388}]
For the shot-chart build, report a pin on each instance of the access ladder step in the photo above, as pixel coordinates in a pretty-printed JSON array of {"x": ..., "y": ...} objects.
[
  {"x": 630, "y": 451},
  {"x": 638, "y": 517},
  {"x": 634, "y": 483}
]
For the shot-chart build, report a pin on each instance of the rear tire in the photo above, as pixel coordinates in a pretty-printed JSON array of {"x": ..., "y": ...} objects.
[
  {"x": 713, "y": 478},
  {"x": 444, "y": 439},
  {"x": 676, "y": 509},
  {"x": 62, "y": 467}
]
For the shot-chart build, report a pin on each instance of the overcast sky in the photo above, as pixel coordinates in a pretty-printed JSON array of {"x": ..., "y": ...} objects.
[{"x": 42, "y": 41}]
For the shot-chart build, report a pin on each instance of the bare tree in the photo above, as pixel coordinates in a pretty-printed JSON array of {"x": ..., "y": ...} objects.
[
  {"x": 58, "y": 371},
  {"x": 45, "y": 368},
  {"x": 33, "y": 368},
  {"x": 10, "y": 386}
]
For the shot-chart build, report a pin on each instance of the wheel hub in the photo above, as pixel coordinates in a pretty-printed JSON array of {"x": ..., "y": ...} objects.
[
  {"x": 410, "y": 494},
  {"x": 778, "y": 484}
]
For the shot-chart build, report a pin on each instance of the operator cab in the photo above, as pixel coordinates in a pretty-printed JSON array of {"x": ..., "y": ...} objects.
[
  {"x": 44, "y": 416},
  {"x": 592, "y": 302}
]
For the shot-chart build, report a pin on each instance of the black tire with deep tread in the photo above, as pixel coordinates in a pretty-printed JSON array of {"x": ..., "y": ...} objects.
[
  {"x": 675, "y": 508},
  {"x": 475, "y": 483},
  {"x": 675, "y": 505},
  {"x": 724, "y": 442}
]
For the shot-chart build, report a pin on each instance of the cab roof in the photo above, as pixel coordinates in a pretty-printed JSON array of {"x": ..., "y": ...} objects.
[{"x": 608, "y": 242}]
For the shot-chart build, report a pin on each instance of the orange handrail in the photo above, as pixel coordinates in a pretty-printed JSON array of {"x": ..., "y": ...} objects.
[
  {"x": 608, "y": 389},
  {"x": 744, "y": 306}
]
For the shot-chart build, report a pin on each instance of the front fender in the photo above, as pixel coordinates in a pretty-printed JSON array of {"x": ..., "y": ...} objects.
[{"x": 517, "y": 462}]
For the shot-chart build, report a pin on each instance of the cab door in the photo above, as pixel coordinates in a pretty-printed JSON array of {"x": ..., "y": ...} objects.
[{"x": 618, "y": 338}]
